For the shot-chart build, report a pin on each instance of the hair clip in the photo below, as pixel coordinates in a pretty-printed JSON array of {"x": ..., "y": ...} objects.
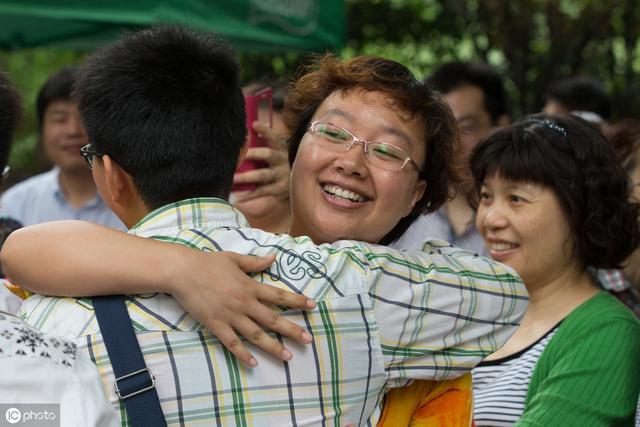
[{"x": 548, "y": 123}]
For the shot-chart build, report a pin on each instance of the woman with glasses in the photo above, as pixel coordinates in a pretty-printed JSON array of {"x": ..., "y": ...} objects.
[{"x": 371, "y": 149}]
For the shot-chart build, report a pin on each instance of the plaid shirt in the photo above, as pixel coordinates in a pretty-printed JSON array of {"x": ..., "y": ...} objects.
[{"x": 383, "y": 318}]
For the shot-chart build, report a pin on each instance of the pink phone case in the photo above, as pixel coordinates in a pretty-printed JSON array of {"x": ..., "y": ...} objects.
[{"x": 252, "y": 104}]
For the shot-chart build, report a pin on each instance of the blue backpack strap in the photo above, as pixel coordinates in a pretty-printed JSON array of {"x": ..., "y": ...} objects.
[{"x": 135, "y": 384}]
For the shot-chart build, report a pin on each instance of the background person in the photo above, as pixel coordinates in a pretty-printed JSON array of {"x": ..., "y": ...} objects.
[
  {"x": 67, "y": 191},
  {"x": 583, "y": 96},
  {"x": 624, "y": 136},
  {"x": 553, "y": 201},
  {"x": 479, "y": 102}
]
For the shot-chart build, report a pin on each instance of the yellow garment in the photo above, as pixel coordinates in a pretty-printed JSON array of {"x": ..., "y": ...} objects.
[
  {"x": 430, "y": 404},
  {"x": 16, "y": 290}
]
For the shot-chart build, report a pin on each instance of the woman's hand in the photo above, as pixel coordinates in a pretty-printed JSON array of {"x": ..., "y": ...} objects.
[
  {"x": 273, "y": 180},
  {"x": 228, "y": 302}
]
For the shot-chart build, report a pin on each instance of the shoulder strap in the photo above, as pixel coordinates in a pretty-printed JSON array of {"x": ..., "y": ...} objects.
[{"x": 134, "y": 384}]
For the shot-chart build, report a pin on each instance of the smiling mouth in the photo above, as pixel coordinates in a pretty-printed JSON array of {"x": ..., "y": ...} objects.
[
  {"x": 502, "y": 246},
  {"x": 336, "y": 191}
]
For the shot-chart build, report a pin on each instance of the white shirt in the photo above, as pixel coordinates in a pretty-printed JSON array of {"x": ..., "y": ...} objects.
[
  {"x": 37, "y": 368},
  {"x": 40, "y": 199}
]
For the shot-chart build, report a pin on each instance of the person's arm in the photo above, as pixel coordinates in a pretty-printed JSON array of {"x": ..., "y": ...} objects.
[
  {"x": 440, "y": 312},
  {"x": 77, "y": 258},
  {"x": 272, "y": 181},
  {"x": 591, "y": 380}
]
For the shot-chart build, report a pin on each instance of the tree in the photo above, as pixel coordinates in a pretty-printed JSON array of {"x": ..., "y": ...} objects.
[{"x": 533, "y": 42}]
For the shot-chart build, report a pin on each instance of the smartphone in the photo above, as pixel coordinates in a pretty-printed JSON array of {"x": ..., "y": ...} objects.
[{"x": 258, "y": 107}]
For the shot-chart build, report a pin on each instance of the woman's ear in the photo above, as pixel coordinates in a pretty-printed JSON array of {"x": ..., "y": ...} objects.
[{"x": 418, "y": 192}]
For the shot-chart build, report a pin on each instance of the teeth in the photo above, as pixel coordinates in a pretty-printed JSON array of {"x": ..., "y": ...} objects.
[
  {"x": 343, "y": 193},
  {"x": 502, "y": 246}
]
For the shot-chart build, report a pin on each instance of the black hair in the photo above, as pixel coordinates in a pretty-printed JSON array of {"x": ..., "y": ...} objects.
[
  {"x": 581, "y": 93},
  {"x": 165, "y": 103},
  {"x": 10, "y": 113},
  {"x": 58, "y": 87},
  {"x": 572, "y": 158},
  {"x": 453, "y": 75},
  {"x": 329, "y": 74}
]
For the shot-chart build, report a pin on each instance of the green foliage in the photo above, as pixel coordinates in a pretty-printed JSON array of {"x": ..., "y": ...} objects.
[{"x": 533, "y": 42}]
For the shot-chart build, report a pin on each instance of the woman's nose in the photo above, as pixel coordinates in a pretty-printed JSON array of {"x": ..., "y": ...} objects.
[
  {"x": 353, "y": 160},
  {"x": 493, "y": 216}
]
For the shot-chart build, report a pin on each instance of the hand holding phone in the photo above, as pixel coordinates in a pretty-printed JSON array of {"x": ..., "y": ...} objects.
[{"x": 258, "y": 107}]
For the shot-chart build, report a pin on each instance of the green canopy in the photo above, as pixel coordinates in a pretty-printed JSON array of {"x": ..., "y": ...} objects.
[{"x": 250, "y": 25}]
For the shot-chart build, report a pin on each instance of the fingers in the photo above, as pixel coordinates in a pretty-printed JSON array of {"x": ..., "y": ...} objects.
[
  {"x": 255, "y": 176},
  {"x": 232, "y": 342},
  {"x": 250, "y": 263},
  {"x": 272, "y": 320},
  {"x": 281, "y": 297},
  {"x": 275, "y": 189},
  {"x": 256, "y": 336},
  {"x": 265, "y": 154},
  {"x": 274, "y": 139}
]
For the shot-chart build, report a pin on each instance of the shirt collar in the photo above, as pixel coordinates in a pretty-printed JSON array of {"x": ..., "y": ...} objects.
[
  {"x": 187, "y": 214},
  {"x": 469, "y": 228},
  {"x": 59, "y": 194}
]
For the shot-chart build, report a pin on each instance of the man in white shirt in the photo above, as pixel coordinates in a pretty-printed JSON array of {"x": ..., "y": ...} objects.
[
  {"x": 36, "y": 368},
  {"x": 67, "y": 191}
]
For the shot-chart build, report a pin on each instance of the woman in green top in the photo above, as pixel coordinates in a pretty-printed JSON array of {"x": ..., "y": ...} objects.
[{"x": 552, "y": 203}]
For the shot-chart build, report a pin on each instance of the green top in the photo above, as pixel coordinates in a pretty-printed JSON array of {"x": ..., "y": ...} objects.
[{"x": 589, "y": 373}]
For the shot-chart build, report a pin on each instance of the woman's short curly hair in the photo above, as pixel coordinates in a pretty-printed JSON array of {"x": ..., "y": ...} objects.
[
  {"x": 572, "y": 158},
  {"x": 329, "y": 74}
]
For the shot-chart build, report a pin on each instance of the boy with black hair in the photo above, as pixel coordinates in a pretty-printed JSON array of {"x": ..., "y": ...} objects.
[
  {"x": 479, "y": 101},
  {"x": 67, "y": 191},
  {"x": 37, "y": 368}
]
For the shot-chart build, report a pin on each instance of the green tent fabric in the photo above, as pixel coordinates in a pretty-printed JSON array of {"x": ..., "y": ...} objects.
[{"x": 250, "y": 25}]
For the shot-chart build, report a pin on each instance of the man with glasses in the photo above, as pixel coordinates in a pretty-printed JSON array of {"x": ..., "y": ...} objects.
[
  {"x": 67, "y": 191},
  {"x": 477, "y": 96}
]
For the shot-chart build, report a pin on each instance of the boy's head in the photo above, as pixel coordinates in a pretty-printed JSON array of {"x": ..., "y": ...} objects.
[
  {"x": 10, "y": 112},
  {"x": 61, "y": 131},
  {"x": 164, "y": 112}
]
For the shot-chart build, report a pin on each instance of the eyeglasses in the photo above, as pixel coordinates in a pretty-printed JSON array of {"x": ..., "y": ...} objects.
[
  {"x": 378, "y": 154},
  {"x": 89, "y": 152}
]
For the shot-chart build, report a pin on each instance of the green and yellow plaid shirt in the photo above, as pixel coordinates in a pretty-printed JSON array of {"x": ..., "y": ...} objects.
[{"x": 383, "y": 318}]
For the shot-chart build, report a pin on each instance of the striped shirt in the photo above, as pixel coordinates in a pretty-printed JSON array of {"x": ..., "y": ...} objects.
[
  {"x": 382, "y": 318},
  {"x": 500, "y": 386}
]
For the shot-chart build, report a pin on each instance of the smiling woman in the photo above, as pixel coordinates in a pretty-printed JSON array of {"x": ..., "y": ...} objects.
[
  {"x": 372, "y": 99},
  {"x": 347, "y": 193},
  {"x": 553, "y": 201}
]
